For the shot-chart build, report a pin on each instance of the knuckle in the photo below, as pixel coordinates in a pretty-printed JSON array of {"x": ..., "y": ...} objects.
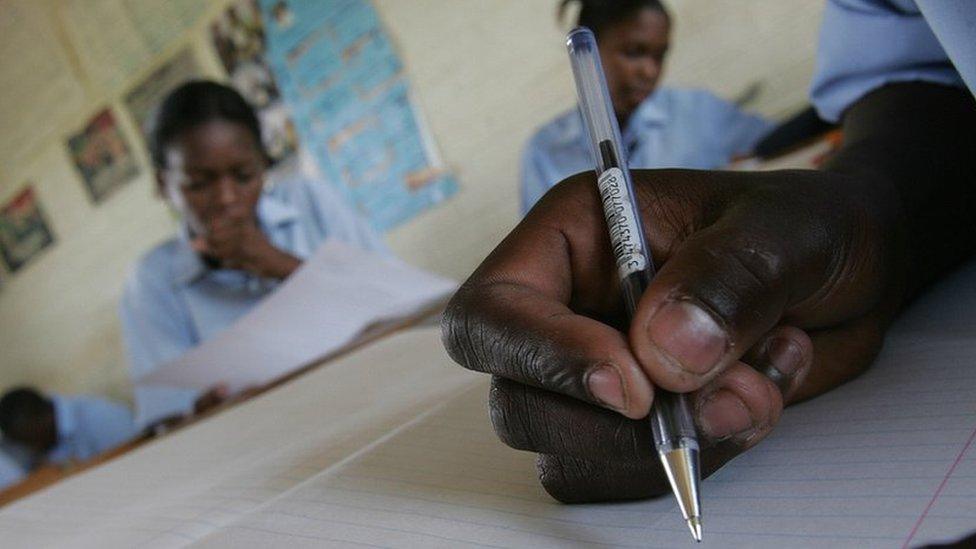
[
  {"x": 481, "y": 340},
  {"x": 513, "y": 414},
  {"x": 573, "y": 480},
  {"x": 755, "y": 258},
  {"x": 460, "y": 333},
  {"x": 564, "y": 478}
]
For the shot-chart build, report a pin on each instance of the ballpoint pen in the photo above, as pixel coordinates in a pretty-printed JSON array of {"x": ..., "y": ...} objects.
[{"x": 671, "y": 422}]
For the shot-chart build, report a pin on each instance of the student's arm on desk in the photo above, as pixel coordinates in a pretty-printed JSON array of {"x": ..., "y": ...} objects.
[{"x": 800, "y": 271}]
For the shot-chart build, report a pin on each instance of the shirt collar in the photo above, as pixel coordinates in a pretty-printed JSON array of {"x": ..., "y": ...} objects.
[
  {"x": 189, "y": 266},
  {"x": 651, "y": 112}
]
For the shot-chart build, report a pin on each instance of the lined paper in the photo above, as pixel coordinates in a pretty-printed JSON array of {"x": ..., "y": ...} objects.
[
  {"x": 391, "y": 447},
  {"x": 191, "y": 483},
  {"x": 884, "y": 461}
]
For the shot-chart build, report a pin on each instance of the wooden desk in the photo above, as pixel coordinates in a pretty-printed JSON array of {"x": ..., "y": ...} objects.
[
  {"x": 176, "y": 489},
  {"x": 50, "y": 474}
]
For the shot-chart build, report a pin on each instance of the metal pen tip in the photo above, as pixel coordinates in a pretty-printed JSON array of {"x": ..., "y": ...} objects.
[{"x": 694, "y": 524}]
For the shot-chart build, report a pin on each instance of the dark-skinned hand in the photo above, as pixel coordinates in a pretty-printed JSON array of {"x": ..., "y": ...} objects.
[
  {"x": 794, "y": 274},
  {"x": 238, "y": 243},
  {"x": 771, "y": 287}
]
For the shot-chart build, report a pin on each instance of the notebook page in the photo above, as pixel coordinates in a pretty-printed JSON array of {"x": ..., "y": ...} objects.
[
  {"x": 887, "y": 460},
  {"x": 337, "y": 293},
  {"x": 175, "y": 490}
]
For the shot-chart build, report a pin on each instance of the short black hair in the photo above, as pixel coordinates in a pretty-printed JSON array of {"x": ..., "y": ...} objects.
[
  {"x": 599, "y": 15},
  {"x": 20, "y": 406},
  {"x": 193, "y": 104}
]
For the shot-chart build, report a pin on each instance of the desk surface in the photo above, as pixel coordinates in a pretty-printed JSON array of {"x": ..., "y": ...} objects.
[
  {"x": 363, "y": 453},
  {"x": 49, "y": 475},
  {"x": 190, "y": 482}
]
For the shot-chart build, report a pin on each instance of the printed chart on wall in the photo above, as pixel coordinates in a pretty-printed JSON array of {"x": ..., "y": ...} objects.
[
  {"x": 338, "y": 71},
  {"x": 114, "y": 39},
  {"x": 24, "y": 232}
]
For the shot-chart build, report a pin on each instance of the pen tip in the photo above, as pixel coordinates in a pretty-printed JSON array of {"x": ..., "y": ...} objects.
[{"x": 694, "y": 524}]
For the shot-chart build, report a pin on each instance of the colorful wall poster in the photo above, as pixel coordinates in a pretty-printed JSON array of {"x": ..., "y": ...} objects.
[
  {"x": 340, "y": 75},
  {"x": 238, "y": 36},
  {"x": 143, "y": 100},
  {"x": 102, "y": 156},
  {"x": 24, "y": 232}
]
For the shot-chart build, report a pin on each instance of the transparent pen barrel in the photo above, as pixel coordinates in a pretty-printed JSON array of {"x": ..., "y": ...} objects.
[
  {"x": 594, "y": 99},
  {"x": 671, "y": 423},
  {"x": 600, "y": 120}
]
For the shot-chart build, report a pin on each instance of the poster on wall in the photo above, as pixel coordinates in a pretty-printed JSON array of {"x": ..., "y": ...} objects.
[
  {"x": 24, "y": 232},
  {"x": 145, "y": 97},
  {"x": 238, "y": 36},
  {"x": 102, "y": 156},
  {"x": 340, "y": 75}
]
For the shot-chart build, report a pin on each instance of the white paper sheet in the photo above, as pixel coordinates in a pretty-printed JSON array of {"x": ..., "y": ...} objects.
[
  {"x": 190, "y": 483},
  {"x": 334, "y": 296},
  {"x": 885, "y": 461}
]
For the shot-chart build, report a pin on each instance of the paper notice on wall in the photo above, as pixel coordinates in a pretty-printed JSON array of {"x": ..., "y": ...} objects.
[
  {"x": 162, "y": 23},
  {"x": 341, "y": 76},
  {"x": 116, "y": 39},
  {"x": 40, "y": 90}
]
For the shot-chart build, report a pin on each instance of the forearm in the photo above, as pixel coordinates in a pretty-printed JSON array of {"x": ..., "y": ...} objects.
[{"x": 914, "y": 144}]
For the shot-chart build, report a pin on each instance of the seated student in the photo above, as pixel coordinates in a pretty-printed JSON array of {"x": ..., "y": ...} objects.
[
  {"x": 237, "y": 240},
  {"x": 61, "y": 429},
  {"x": 772, "y": 287},
  {"x": 661, "y": 127}
]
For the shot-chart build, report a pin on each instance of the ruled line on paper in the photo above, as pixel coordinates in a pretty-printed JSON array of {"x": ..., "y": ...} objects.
[{"x": 938, "y": 491}]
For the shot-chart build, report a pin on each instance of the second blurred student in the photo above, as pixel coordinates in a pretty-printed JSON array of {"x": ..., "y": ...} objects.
[
  {"x": 237, "y": 240},
  {"x": 661, "y": 127},
  {"x": 59, "y": 429}
]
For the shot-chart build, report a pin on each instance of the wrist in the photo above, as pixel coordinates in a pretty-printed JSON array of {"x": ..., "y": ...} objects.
[{"x": 278, "y": 264}]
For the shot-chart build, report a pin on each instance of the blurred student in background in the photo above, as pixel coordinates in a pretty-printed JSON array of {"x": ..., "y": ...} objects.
[
  {"x": 237, "y": 240},
  {"x": 60, "y": 429},
  {"x": 661, "y": 127}
]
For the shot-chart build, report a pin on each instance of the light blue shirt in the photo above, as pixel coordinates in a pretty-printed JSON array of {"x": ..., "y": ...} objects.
[
  {"x": 865, "y": 44},
  {"x": 11, "y": 470},
  {"x": 673, "y": 128},
  {"x": 88, "y": 426},
  {"x": 173, "y": 302}
]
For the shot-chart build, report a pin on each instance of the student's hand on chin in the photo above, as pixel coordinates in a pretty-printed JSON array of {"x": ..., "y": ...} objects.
[
  {"x": 241, "y": 244},
  {"x": 771, "y": 287}
]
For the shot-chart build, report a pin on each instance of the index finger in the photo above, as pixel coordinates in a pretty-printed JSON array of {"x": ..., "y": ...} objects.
[{"x": 512, "y": 319}]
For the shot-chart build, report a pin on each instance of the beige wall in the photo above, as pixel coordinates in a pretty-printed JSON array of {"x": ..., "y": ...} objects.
[{"x": 484, "y": 72}]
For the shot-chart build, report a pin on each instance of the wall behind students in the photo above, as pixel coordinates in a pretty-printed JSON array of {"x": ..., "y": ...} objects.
[{"x": 485, "y": 74}]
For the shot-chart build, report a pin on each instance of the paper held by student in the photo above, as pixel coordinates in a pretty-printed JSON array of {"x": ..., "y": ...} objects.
[{"x": 337, "y": 294}]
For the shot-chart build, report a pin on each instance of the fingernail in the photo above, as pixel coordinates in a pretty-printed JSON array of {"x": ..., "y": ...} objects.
[
  {"x": 606, "y": 386},
  {"x": 688, "y": 335},
  {"x": 785, "y": 355},
  {"x": 723, "y": 415}
]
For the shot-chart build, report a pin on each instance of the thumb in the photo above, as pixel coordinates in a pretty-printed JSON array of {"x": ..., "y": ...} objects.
[{"x": 718, "y": 294}]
